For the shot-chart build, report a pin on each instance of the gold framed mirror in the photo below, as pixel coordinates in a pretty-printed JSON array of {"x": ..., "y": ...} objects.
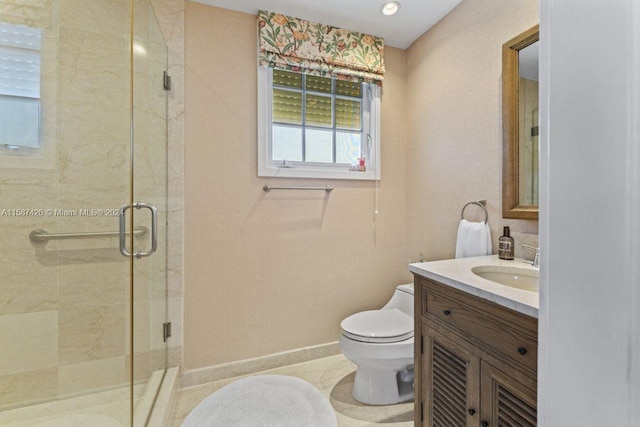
[{"x": 520, "y": 126}]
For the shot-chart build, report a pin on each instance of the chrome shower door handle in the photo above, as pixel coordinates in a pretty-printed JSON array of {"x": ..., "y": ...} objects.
[
  {"x": 154, "y": 230},
  {"x": 122, "y": 230}
]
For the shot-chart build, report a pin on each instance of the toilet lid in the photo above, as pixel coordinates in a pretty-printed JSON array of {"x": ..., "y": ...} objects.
[{"x": 379, "y": 326}]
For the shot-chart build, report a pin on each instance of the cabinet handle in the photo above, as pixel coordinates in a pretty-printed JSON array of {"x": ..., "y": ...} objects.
[
  {"x": 447, "y": 312},
  {"x": 522, "y": 350},
  {"x": 472, "y": 411},
  {"x": 484, "y": 423}
]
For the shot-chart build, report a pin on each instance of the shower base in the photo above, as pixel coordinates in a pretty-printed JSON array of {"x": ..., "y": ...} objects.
[{"x": 108, "y": 408}]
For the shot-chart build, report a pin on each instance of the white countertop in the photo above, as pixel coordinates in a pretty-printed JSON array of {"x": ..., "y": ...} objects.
[{"x": 457, "y": 274}]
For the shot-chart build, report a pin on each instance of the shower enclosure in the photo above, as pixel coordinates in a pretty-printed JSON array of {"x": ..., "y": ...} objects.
[{"x": 83, "y": 212}]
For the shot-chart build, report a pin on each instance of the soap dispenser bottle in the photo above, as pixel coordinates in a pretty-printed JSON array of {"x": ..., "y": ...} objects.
[{"x": 505, "y": 245}]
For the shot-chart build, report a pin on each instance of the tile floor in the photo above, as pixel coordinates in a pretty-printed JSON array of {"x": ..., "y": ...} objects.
[{"x": 333, "y": 376}]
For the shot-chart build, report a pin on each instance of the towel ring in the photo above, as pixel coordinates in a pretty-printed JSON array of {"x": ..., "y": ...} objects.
[{"x": 482, "y": 204}]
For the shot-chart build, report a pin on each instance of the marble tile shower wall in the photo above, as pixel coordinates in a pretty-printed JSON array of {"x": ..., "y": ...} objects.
[{"x": 64, "y": 305}]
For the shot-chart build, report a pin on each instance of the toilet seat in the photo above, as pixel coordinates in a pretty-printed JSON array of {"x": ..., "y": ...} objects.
[{"x": 378, "y": 326}]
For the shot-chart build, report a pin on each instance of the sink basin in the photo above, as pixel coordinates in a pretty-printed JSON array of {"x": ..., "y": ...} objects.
[{"x": 514, "y": 277}]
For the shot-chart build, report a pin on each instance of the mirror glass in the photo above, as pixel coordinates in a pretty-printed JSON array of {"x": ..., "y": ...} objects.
[
  {"x": 528, "y": 124},
  {"x": 520, "y": 126}
]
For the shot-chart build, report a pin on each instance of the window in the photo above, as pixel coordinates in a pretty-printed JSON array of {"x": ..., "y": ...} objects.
[
  {"x": 317, "y": 127},
  {"x": 19, "y": 86}
]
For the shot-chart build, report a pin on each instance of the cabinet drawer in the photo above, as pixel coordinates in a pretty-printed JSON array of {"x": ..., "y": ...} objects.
[{"x": 484, "y": 329}]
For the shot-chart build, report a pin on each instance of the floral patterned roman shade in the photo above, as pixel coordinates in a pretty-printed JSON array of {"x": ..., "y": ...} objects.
[{"x": 302, "y": 46}]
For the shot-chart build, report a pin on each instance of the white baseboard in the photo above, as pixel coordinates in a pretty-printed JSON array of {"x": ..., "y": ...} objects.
[{"x": 209, "y": 374}]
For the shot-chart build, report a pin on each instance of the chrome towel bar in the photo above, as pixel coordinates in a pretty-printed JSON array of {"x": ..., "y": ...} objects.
[
  {"x": 41, "y": 236},
  {"x": 482, "y": 204},
  {"x": 268, "y": 188}
]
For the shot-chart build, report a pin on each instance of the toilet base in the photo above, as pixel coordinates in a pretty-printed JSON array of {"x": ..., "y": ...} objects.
[
  {"x": 384, "y": 372},
  {"x": 383, "y": 386}
]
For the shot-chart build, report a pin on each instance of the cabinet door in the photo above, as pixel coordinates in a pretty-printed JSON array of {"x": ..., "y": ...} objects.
[
  {"x": 451, "y": 383},
  {"x": 505, "y": 401}
]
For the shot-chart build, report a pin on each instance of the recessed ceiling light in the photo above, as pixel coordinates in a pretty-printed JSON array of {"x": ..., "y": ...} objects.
[{"x": 390, "y": 8}]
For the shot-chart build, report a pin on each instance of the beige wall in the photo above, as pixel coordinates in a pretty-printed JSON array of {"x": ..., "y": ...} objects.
[
  {"x": 454, "y": 124},
  {"x": 266, "y": 273}
]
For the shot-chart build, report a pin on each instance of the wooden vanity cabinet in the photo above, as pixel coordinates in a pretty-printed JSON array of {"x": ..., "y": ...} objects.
[{"x": 476, "y": 361}]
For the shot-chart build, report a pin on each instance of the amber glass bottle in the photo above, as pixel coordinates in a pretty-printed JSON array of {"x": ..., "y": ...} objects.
[{"x": 505, "y": 245}]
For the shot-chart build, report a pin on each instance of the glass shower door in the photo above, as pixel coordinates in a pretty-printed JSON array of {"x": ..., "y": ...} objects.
[
  {"x": 150, "y": 91},
  {"x": 63, "y": 284},
  {"x": 81, "y": 325}
]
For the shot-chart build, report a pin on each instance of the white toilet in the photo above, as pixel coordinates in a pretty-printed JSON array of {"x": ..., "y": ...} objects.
[{"x": 380, "y": 344}]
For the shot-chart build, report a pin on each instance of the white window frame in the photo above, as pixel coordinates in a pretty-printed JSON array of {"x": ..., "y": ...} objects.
[{"x": 370, "y": 139}]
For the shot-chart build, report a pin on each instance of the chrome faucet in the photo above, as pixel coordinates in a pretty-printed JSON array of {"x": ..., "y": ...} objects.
[{"x": 536, "y": 259}]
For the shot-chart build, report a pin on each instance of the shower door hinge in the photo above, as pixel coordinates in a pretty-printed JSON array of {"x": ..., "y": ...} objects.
[
  {"x": 166, "y": 81},
  {"x": 535, "y": 131},
  {"x": 166, "y": 331}
]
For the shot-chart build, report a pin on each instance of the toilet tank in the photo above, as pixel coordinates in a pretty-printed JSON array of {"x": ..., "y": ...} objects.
[{"x": 402, "y": 299}]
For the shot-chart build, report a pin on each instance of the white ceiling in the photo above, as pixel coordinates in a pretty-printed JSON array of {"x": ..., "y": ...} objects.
[{"x": 400, "y": 30}]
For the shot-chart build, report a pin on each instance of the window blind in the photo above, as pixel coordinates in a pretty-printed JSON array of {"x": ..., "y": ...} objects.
[
  {"x": 342, "y": 99},
  {"x": 316, "y": 119},
  {"x": 302, "y": 46},
  {"x": 20, "y": 60}
]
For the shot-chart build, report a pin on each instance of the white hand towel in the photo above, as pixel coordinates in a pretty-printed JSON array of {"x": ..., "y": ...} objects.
[{"x": 474, "y": 239}]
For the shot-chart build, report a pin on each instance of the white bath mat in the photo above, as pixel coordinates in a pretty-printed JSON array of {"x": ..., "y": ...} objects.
[{"x": 265, "y": 401}]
